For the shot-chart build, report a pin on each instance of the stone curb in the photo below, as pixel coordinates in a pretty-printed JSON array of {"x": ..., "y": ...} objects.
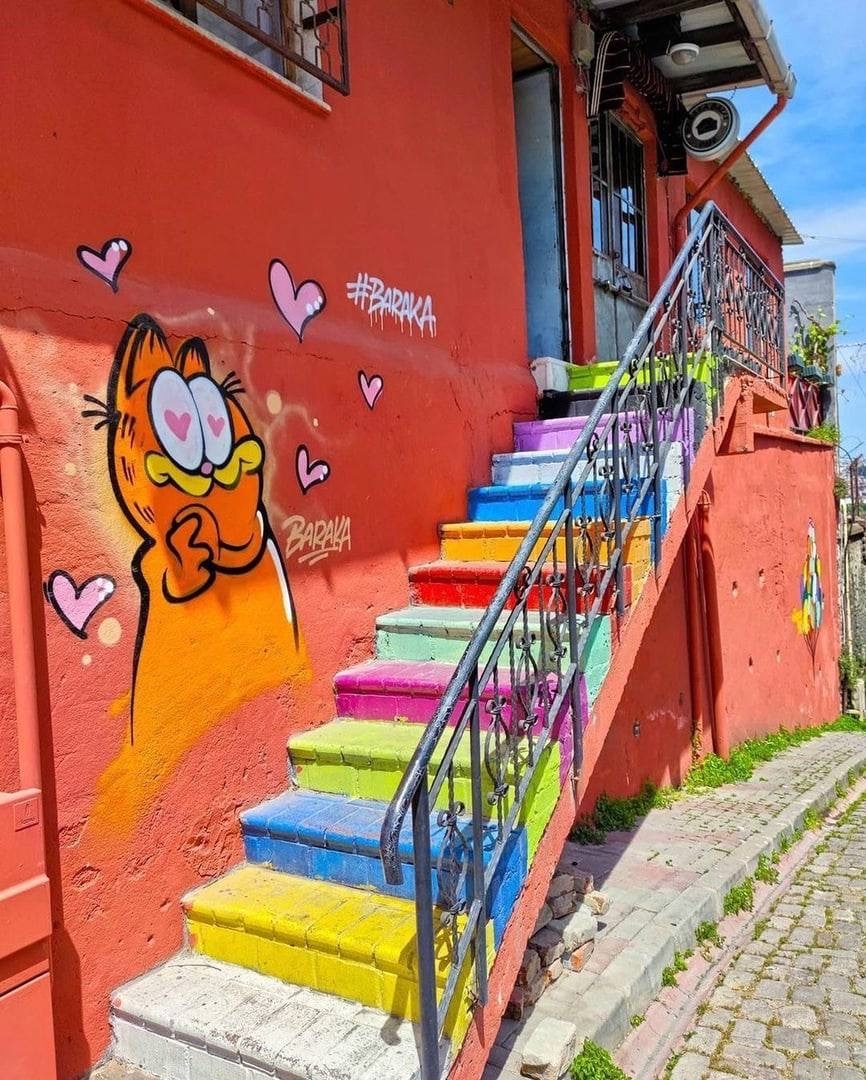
[
  {"x": 633, "y": 979},
  {"x": 669, "y": 1039}
]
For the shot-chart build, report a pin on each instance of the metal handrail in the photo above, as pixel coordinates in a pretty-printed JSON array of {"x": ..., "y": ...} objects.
[{"x": 596, "y": 503}]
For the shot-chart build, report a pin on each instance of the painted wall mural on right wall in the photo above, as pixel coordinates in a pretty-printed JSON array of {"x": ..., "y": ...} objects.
[{"x": 810, "y": 614}]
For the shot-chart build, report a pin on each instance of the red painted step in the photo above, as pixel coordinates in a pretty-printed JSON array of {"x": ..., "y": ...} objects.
[{"x": 460, "y": 584}]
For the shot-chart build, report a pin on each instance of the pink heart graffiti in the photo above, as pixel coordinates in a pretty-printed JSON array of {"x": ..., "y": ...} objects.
[
  {"x": 179, "y": 424},
  {"x": 309, "y": 472},
  {"x": 77, "y": 606},
  {"x": 216, "y": 424},
  {"x": 296, "y": 305},
  {"x": 370, "y": 388},
  {"x": 108, "y": 262}
]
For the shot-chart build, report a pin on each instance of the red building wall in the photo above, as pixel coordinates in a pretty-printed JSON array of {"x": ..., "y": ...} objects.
[
  {"x": 123, "y": 122},
  {"x": 761, "y": 507},
  {"x": 773, "y": 675}
]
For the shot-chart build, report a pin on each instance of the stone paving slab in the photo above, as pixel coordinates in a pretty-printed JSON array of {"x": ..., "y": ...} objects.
[
  {"x": 792, "y": 1006},
  {"x": 671, "y": 874}
]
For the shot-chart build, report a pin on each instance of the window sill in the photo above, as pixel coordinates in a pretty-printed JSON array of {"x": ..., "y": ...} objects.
[{"x": 207, "y": 40}]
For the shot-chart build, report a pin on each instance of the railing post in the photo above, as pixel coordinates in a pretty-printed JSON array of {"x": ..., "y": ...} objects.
[
  {"x": 654, "y": 434},
  {"x": 424, "y": 932},
  {"x": 573, "y": 639},
  {"x": 717, "y": 278},
  {"x": 617, "y": 515},
  {"x": 479, "y": 892}
]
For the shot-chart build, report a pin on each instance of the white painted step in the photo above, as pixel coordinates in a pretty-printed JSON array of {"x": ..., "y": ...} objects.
[
  {"x": 198, "y": 1019},
  {"x": 542, "y": 467}
]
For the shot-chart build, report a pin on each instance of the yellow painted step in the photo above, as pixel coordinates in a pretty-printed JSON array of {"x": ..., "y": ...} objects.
[
  {"x": 330, "y": 937},
  {"x": 482, "y": 541}
]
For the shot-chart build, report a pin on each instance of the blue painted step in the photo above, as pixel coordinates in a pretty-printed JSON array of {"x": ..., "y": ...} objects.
[
  {"x": 520, "y": 502},
  {"x": 333, "y": 838}
]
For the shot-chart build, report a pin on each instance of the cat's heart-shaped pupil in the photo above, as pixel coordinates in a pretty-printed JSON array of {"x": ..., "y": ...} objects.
[
  {"x": 178, "y": 423},
  {"x": 216, "y": 424}
]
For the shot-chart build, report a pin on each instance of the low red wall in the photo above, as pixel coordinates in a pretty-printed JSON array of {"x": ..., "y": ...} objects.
[
  {"x": 650, "y": 737},
  {"x": 762, "y": 505},
  {"x": 774, "y": 674}
]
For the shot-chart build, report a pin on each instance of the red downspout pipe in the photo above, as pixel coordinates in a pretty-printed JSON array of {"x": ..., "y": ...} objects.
[
  {"x": 721, "y": 170},
  {"x": 696, "y": 644},
  {"x": 707, "y": 565},
  {"x": 20, "y": 611}
]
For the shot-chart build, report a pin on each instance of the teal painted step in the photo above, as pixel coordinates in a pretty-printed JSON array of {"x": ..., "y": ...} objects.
[{"x": 442, "y": 633}]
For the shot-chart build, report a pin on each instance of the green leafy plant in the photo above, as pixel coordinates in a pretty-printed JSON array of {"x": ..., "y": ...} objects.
[
  {"x": 637, "y": 1020},
  {"x": 618, "y": 815},
  {"x": 595, "y": 1063},
  {"x": 759, "y": 927},
  {"x": 825, "y": 432},
  {"x": 740, "y": 898},
  {"x": 840, "y": 488},
  {"x": 812, "y": 820},
  {"x": 766, "y": 872},
  {"x": 669, "y": 976},
  {"x": 813, "y": 342},
  {"x": 851, "y": 668}
]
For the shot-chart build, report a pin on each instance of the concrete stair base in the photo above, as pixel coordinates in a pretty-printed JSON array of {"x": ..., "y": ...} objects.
[{"x": 195, "y": 1018}]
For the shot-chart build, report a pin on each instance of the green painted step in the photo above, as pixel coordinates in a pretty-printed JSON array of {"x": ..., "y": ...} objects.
[
  {"x": 367, "y": 759},
  {"x": 442, "y": 633},
  {"x": 597, "y": 376}
]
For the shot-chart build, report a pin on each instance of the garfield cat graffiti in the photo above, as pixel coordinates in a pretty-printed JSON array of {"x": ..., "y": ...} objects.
[{"x": 217, "y": 624}]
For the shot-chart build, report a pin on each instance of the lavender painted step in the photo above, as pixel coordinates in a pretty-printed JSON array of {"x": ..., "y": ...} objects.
[{"x": 563, "y": 433}]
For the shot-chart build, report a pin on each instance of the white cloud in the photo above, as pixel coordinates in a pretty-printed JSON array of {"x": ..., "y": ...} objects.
[{"x": 837, "y": 226}]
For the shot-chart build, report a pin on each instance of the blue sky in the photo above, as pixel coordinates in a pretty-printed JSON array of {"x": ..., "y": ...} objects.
[{"x": 814, "y": 157}]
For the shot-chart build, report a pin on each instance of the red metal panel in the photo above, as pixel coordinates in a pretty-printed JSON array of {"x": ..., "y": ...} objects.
[
  {"x": 25, "y": 911},
  {"x": 27, "y": 1033}
]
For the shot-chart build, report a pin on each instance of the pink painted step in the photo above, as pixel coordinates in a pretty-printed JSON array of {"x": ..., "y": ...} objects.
[
  {"x": 406, "y": 690},
  {"x": 561, "y": 434}
]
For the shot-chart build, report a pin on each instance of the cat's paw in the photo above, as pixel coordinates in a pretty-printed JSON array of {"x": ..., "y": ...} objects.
[{"x": 193, "y": 540}]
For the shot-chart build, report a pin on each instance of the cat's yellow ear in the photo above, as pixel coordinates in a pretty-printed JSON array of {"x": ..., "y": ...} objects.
[
  {"x": 192, "y": 358},
  {"x": 143, "y": 350}
]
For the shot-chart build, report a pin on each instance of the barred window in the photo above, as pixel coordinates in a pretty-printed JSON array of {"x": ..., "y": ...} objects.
[
  {"x": 618, "y": 199},
  {"x": 302, "y": 40}
]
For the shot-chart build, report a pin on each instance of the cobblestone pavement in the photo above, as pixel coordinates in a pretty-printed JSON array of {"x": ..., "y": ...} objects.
[
  {"x": 668, "y": 875},
  {"x": 793, "y": 1003}
]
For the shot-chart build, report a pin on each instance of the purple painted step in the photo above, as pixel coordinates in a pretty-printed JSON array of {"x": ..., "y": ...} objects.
[
  {"x": 561, "y": 434},
  {"x": 405, "y": 690}
]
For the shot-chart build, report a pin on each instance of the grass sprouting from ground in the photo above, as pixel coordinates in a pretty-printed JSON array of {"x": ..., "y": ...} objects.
[
  {"x": 740, "y": 898},
  {"x": 617, "y": 815},
  {"x": 707, "y": 933},
  {"x": 595, "y": 1063},
  {"x": 766, "y": 871}
]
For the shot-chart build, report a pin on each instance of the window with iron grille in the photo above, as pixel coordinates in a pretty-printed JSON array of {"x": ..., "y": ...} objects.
[
  {"x": 618, "y": 195},
  {"x": 302, "y": 40}
]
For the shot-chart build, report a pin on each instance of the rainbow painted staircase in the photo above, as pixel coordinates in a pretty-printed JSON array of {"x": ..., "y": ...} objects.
[
  {"x": 313, "y": 959},
  {"x": 357, "y": 938}
]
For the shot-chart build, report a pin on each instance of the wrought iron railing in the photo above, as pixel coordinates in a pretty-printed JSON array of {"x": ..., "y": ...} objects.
[
  {"x": 751, "y": 319},
  {"x": 519, "y": 678},
  {"x": 310, "y": 35}
]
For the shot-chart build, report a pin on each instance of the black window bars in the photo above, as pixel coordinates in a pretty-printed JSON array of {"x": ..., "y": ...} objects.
[{"x": 289, "y": 36}]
